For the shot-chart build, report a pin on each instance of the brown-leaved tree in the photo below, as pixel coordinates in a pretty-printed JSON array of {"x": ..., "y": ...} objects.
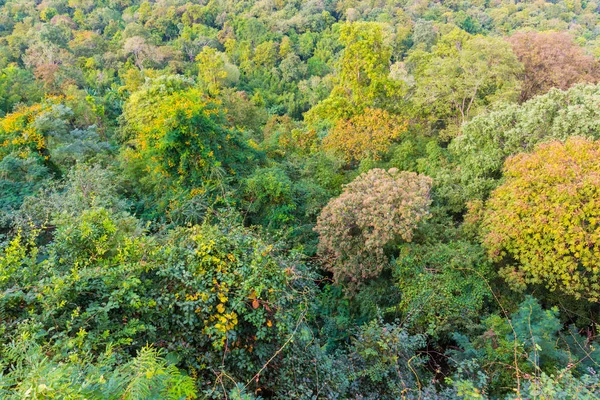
[{"x": 551, "y": 60}]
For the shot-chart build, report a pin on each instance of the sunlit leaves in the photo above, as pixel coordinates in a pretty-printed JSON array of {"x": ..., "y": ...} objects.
[
  {"x": 215, "y": 70},
  {"x": 546, "y": 218},
  {"x": 367, "y": 135}
]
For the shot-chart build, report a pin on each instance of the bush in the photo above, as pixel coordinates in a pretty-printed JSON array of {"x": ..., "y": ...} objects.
[{"x": 214, "y": 297}]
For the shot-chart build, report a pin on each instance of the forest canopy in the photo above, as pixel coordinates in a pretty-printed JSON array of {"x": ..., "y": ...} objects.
[{"x": 333, "y": 199}]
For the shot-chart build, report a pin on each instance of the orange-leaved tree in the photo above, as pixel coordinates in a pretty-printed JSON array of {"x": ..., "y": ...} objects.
[
  {"x": 375, "y": 210},
  {"x": 543, "y": 223},
  {"x": 366, "y": 135}
]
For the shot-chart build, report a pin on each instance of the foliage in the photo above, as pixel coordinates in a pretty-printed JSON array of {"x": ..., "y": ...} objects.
[
  {"x": 526, "y": 343},
  {"x": 489, "y": 139},
  {"x": 37, "y": 374},
  {"x": 372, "y": 212},
  {"x": 270, "y": 196},
  {"x": 363, "y": 79},
  {"x": 215, "y": 70},
  {"x": 385, "y": 361},
  {"x": 562, "y": 385},
  {"x": 85, "y": 187},
  {"x": 17, "y": 86},
  {"x": 179, "y": 144},
  {"x": 443, "y": 285},
  {"x": 179, "y": 134},
  {"x": 476, "y": 71},
  {"x": 163, "y": 166},
  {"x": 544, "y": 218},
  {"x": 197, "y": 293},
  {"x": 551, "y": 60},
  {"x": 367, "y": 135},
  {"x": 20, "y": 136}
]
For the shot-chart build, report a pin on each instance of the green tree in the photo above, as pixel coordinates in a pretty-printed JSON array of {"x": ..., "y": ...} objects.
[
  {"x": 178, "y": 141},
  {"x": 442, "y": 284},
  {"x": 200, "y": 292},
  {"x": 524, "y": 345},
  {"x": 17, "y": 86},
  {"x": 215, "y": 71},
  {"x": 363, "y": 78},
  {"x": 463, "y": 75}
]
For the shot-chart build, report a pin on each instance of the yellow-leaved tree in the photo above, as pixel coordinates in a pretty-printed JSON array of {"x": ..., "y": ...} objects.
[
  {"x": 366, "y": 135},
  {"x": 543, "y": 223}
]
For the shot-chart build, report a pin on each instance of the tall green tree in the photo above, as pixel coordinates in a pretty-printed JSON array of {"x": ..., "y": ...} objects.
[
  {"x": 363, "y": 74},
  {"x": 462, "y": 76}
]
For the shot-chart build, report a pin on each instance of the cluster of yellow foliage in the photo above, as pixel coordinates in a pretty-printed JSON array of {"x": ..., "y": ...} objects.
[
  {"x": 366, "y": 135},
  {"x": 18, "y": 134},
  {"x": 224, "y": 320},
  {"x": 546, "y": 218}
]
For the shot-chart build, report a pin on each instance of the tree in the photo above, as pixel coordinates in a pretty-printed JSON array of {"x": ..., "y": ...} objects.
[
  {"x": 525, "y": 344},
  {"x": 543, "y": 223},
  {"x": 19, "y": 135},
  {"x": 215, "y": 71},
  {"x": 487, "y": 140},
  {"x": 268, "y": 193},
  {"x": 366, "y": 135},
  {"x": 17, "y": 86},
  {"x": 213, "y": 296},
  {"x": 181, "y": 156},
  {"x": 143, "y": 51},
  {"x": 178, "y": 133},
  {"x": 363, "y": 79},
  {"x": 424, "y": 34},
  {"x": 373, "y": 211},
  {"x": 463, "y": 75},
  {"x": 551, "y": 60}
]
